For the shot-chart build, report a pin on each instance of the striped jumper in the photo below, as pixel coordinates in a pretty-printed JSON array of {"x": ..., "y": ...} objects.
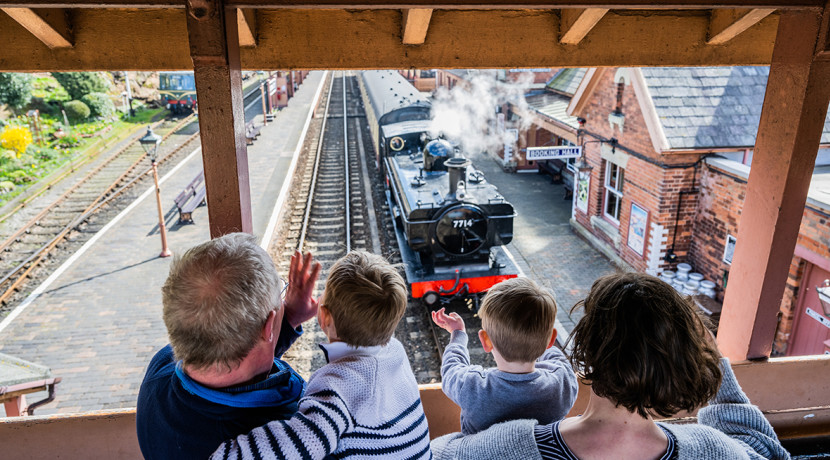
[{"x": 363, "y": 404}]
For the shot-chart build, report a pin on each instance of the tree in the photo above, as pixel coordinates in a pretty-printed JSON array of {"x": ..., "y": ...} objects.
[
  {"x": 76, "y": 110},
  {"x": 79, "y": 84},
  {"x": 15, "y": 89},
  {"x": 99, "y": 104}
]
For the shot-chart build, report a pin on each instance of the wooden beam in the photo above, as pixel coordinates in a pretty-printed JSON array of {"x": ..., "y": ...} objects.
[
  {"x": 246, "y": 23},
  {"x": 475, "y": 39},
  {"x": 415, "y": 26},
  {"x": 792, "y": 120},
  {"x": 727, "y": 24},
  {"x": 49, "y": 26},
  {"x": 525, "y": 4},
  {"x": 214, "y": 48},
  {"x": 574, "y": 25},
  {"x": 433, "y": 4},
  {"x": 128, "y": 40}
]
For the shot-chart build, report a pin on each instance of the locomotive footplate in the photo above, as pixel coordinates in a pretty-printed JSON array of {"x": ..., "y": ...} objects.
[{"x": 434, "y": 285}]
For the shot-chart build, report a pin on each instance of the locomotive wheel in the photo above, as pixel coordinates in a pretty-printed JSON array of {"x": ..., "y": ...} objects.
[{"x": 430, "y": 298}]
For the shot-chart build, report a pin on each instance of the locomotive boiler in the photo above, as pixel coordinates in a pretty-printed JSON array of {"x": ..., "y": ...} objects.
[{"x": 450, "y": 222}]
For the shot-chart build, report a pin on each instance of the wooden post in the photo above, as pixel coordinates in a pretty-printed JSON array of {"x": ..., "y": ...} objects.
[
  {"x": 792, "y": 120},
  {"x": 214, "y": 47}
]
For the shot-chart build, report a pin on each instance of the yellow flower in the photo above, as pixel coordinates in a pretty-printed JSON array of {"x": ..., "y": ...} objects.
[{"x": 16, "y": 138}]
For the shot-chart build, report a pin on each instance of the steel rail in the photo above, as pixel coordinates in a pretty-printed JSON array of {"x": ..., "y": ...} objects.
[
  {"x": 307, "y": 215},
  {"x": 84, "y": 158},
  {"x": 346, "y": 164},
  {"x": 36, "y": 257},
  {"x": 34, "y": 260},
  {"x": 33, "y": 221}
]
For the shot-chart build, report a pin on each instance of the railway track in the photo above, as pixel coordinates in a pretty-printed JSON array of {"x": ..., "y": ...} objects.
[
  {"x": 24, "y": 250},
  {"x": 65, "y": 217},
  {"x": 330, "y": 212},
  {"x": 317, "y": 219}
]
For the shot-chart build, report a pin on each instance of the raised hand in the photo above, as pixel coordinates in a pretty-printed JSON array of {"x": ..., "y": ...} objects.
[
  {"x": 449, "y": 323},
  {"x": 299, "y": 304}
]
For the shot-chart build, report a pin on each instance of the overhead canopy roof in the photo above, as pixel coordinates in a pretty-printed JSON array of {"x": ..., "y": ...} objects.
[{"x": 285, "y": 34}]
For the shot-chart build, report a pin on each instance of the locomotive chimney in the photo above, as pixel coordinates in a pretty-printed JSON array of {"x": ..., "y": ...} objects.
[{"x": 457, "y": 168}]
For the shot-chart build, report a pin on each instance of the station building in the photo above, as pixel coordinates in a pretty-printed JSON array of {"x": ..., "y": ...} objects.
[{"x": 667, "y": 154}]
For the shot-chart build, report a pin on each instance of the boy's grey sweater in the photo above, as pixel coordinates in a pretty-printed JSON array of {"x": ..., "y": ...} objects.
[
  {"x": 364, "y": 403},
  {"x": 490, "y": 396},
  {"x": 730, "y": 428}
]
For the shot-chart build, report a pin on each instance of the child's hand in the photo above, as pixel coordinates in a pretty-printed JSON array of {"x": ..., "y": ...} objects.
[{"x": 449, "y": 323}]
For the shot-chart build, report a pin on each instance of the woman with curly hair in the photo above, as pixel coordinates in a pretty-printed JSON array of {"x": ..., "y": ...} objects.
[{"x": 644, "y": 352}]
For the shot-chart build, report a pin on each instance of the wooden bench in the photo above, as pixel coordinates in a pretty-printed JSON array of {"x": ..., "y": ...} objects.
[
  {"x": 552, "y": 169},
  {"x": 191, "y": 198},
  {"x": 555, "y": 172},
  {"x": 252, "y": 132}
]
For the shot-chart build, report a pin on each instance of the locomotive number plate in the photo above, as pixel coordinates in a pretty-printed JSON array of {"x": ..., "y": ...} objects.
[{"x": 462, "y": 223}]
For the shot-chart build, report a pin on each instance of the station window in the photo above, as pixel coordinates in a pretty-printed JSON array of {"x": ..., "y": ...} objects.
[
  {"x": 570, "y": 162},
  {"x": 613, "y": 191}
]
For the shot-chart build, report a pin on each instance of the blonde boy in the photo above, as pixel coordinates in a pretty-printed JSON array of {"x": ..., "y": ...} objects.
[
  {"x": 533, "y": 378},
  {"x": 365, "y": 401}
]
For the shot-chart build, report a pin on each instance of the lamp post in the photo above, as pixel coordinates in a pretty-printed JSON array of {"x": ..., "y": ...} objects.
[{"x": 150, "y": 143}]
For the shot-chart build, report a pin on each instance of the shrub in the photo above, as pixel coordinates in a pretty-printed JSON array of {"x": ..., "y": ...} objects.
[
  {"x": 76, "y": 110},
  {"x": 48, "y": 89},
  {"x": 100, "y": 105},
  {"x": 15, "y": 89},
  {"x": 68, "y": 141},
  {"x": 20, "y": 177},
  {"x": 6, "y": 186},
  {"x": 79, "y": 84},
  {"x": 42, "y": 153},
  {"x": 16, "y": 138}
]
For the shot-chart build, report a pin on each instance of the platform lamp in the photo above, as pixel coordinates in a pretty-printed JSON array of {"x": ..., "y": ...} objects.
[
  {"x": 150, "y": 143},
  {"x": 824, "y": 297}
]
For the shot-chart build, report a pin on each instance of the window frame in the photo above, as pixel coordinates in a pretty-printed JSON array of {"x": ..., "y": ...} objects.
[
  {"x": 570, "y": 163},
  {"x": 617, "y": 191}
]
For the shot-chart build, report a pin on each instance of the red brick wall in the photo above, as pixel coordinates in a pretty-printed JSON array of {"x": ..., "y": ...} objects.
[
  {"x": 719, "y": 211},
  {"x": 653, "y": 185}
]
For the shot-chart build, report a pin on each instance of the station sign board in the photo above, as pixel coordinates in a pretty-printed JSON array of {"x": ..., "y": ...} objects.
[{"x": 553, "y": 152}]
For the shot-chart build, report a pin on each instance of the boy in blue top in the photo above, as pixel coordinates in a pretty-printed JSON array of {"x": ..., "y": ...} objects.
[{"x": 532, "y": 380}]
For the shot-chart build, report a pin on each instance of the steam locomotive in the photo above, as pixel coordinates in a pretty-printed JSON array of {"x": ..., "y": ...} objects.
[{"x": 450, "y": 222}]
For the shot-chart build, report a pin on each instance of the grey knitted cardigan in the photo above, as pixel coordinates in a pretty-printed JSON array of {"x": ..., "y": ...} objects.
[{"x": 730, "y": 428}]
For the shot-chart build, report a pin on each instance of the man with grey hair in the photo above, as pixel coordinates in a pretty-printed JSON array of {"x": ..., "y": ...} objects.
[{"x": 228, "y": 324}]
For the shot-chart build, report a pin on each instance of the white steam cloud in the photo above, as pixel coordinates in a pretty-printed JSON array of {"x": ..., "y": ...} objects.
[{"x": 466, "y": 114}]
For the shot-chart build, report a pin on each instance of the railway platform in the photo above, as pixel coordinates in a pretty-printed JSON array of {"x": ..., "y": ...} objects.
[{"x": 96, "y": 321}]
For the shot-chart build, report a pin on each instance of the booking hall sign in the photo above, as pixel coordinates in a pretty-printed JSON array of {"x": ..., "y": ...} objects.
[{"x": 553, "y": 152}]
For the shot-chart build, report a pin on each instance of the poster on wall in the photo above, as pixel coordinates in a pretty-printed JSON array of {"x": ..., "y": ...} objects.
[
  {"x": 729, "y": 249},
  {"x": 637, "y": 225},
  {"x": 583, "y": 184}
]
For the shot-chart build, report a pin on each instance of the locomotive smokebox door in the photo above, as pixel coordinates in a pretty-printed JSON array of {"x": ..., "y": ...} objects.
[{"x": 461, "y": 230}]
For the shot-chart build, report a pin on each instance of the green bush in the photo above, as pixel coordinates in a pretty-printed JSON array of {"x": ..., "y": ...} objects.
[
  {"x": 100, "y": 105},
  {"x": 42, "y": 153},
  {"x": 76, "y": 110},
  {"x": 15, "y": 89},
  {"x": 48, "y": 89},
  {"x": 79, "y": 84},
  {"x": 20, "y": 177},
  {"x": 6, "y": 186}
]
